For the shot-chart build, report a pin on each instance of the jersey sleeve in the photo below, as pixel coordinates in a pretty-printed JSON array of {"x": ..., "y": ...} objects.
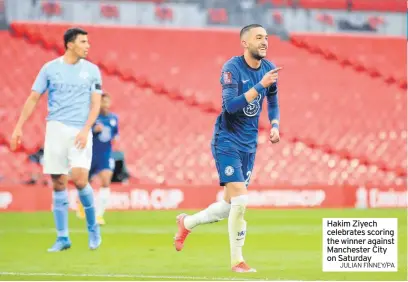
[
  {"x": 273, "y": 89},
  {"x": 40, "y": 84},
  {"x": 273, "y": 103},
  {"x": 97, "y": 81},
  {"x": 116, "y": 132},
  {"x": 233, "y": 102}
]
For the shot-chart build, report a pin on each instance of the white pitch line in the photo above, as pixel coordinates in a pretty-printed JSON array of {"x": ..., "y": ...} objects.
[
  {"x": 125, "y": 276},
  {"x": 136, "y": 230}
]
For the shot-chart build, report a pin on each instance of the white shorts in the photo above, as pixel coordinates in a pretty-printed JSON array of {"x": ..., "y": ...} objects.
[{"x": 60, "y": 153}]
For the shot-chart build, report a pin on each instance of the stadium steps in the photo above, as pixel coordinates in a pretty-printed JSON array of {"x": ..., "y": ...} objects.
[
  {"x": 379, "y": 58},
  {"x": 163, "y": 150},
  {"x": 127, "y": 75},
  {"x": 107, "y": 64}
]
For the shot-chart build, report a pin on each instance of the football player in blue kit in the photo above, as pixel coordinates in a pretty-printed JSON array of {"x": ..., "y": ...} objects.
[
  {"x": 105, "y": 131},
  {"x": 246, "y": 80}
]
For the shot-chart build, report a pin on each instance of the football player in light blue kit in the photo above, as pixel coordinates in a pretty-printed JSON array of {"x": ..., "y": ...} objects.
[{"x": 74, "y": 96}]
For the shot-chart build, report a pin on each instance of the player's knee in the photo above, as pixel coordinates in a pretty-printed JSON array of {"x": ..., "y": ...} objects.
[
  {"x": 105, "y": 182},
  {"x": 80, "y": 177},
  {"x": 80, "y": 182},
  {"x": 106, "y": 176},
  {"x": 225, "y": 209},
  {"x": 236, "y": 189},
  {"x": 240, "y": 202},
  {"x": 58, "y": 182}
]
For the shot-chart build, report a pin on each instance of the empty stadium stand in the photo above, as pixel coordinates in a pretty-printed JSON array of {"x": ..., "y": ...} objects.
[
  {"x": 339, "y": 126},
  {"x": 379, "y": 57}
]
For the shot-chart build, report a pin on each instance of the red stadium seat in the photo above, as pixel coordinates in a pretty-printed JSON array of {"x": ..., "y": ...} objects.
[
  {"x": 325, "y": 19},
  {"x": 277, "y": 17},
  {"x": 109, "y": 11},
  {"x": 218, "y": 16},
  {"x": 376, "y": 21},
  {"x": 164, "y": 13},
  {"x": 51, "y": 8}
]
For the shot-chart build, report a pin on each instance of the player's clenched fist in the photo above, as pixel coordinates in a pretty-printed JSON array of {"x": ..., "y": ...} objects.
[
  {"x": 16, "y": 138},
  {"x": 270, "y": 77},
  {"x": 274, "y": 135}
]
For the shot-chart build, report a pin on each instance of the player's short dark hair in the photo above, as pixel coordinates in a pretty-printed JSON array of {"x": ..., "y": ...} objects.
[
  {"x": 247, "y": 28},
  {"x": 105, "y": 95},
  {"x": 71, "y": 34}
]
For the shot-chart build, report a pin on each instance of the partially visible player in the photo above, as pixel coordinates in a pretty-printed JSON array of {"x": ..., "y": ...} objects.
[
  {"x": 74, "y": 96},
  {"x": 246, "y": 80},
  {"x": 105, "y": 130}
]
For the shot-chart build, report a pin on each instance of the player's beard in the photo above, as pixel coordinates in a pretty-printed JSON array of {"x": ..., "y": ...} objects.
[{"x": 255, "y": 54}]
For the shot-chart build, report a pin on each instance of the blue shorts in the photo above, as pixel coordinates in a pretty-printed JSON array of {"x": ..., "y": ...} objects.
[
  {"x": 101, "y": 163},
  {"x": 233, "y": 165}
]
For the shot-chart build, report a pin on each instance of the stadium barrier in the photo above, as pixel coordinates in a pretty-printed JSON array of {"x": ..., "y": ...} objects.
[{"x": 140, "y": 197}]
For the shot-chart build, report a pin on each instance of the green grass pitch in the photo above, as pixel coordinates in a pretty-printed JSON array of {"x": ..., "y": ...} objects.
[{"x": 137, "y": 245}]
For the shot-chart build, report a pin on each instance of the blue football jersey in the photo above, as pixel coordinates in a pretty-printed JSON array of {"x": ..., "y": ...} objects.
[
  {"x": 102, "y": 141},
  {"x": 240, "y": 129}
]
